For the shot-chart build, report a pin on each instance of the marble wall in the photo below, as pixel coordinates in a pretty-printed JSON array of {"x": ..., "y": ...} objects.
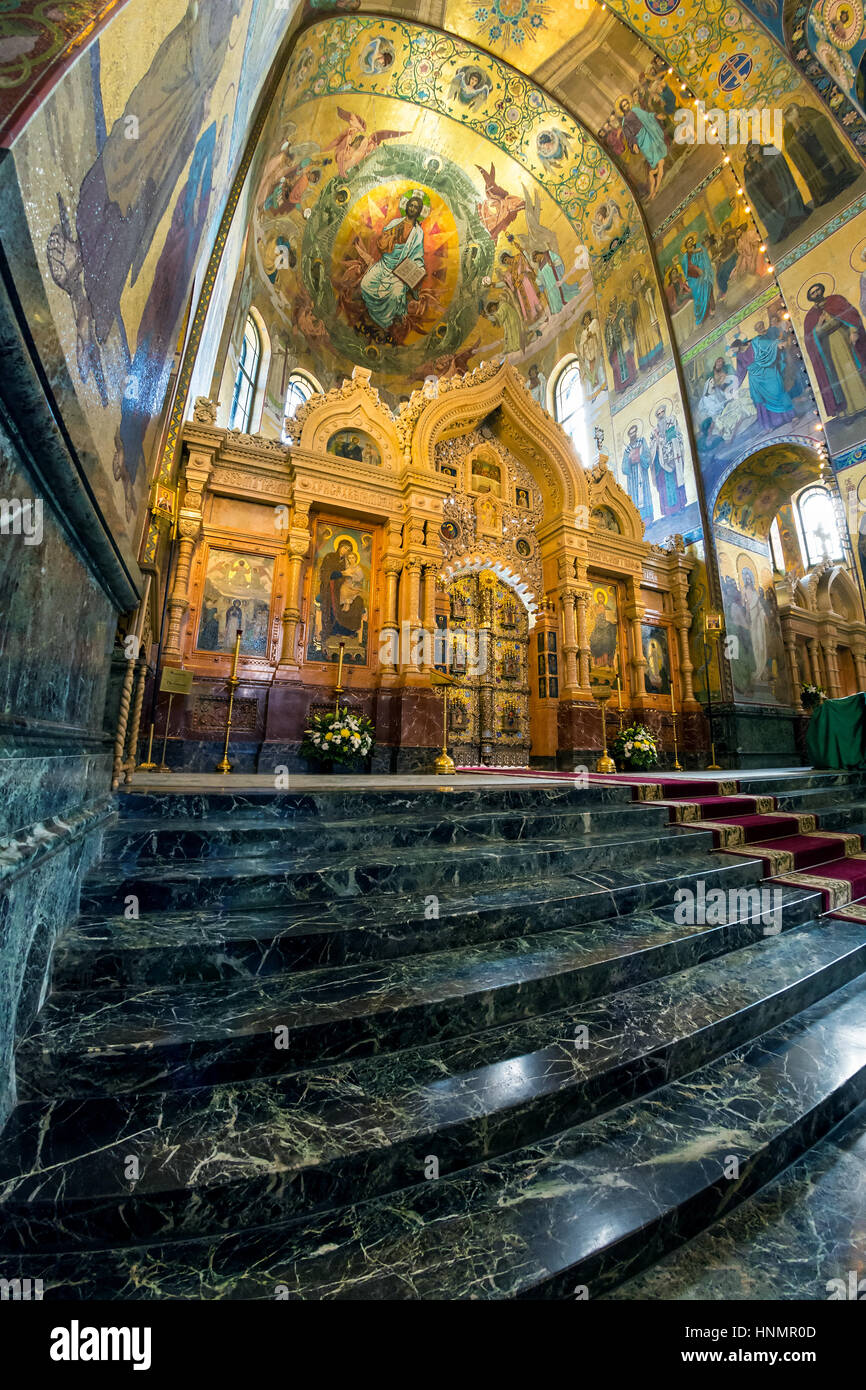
[{"x": 56, "y": 635}]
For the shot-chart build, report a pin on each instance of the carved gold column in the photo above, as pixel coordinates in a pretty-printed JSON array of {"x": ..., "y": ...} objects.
[
  {"x": 828, "y": 647},
  {"x": 815, "y": 658},
  {"x": 637, "y": 662},
  {"x": 582, "y": 599},
  {"x": 789, "y": 639},
  {"x": 297, "y": 546},
  {"x": 199, "y": 465},
  {"x": 126, "y": 688},
  {"x": 410, "y": 618},
  {"x": 390, "y": 635},
  {"x": 189, "y": 529},
  {"x": 135, "y": 722},
  {"x": 859, "y": 655},
  {"x": 683, "y": 624},
  {"x": 571, "y": 689},
  {"x": 427, "y": 657},
  {"x": 410, "y": 601},
  {"x": 122, "y": 721}
]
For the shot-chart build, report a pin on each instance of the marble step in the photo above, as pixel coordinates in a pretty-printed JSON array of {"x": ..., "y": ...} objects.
[
  {"x": 317, "y": 874},
  {"x": 144, "y": 841},
  {"x": 283, "y": 1146},
  {"x": 850, "y": 819},
  {"x": 843, "y": 785},
  {"x": 583, "y": 1209},
  {"x": 113, "y": 952},
  {"x": 820, "y": 800},
  {"x": 105, "y": 1042},
  {"x": 807, "y": 799},
  {"x": 801, "y": 1237},
  {"x": 440, "y": 797}
]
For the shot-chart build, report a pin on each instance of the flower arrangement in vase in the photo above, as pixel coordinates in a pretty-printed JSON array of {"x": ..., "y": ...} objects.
[
  {"x": 811, "y": 696},
  {"x": 338, "y": 738},
  {"x": 634, "y": 748}
]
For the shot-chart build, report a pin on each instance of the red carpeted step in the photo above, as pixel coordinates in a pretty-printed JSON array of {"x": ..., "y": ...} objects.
[
  {"x": 852, "y": 871},
  {"x": 721, "y": 807},
  {"x": 854, "y": 910},
  {"x": 757, "y": 828},
  {"x": 808, "y": 849},
  {"x": 843, "y": 881}
]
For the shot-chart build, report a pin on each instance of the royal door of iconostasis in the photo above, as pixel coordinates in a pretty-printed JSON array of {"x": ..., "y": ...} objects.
[{"x": 487, "y": 651}]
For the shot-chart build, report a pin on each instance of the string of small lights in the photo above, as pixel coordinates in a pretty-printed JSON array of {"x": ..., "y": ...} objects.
[{"x": 818, "y": 435}]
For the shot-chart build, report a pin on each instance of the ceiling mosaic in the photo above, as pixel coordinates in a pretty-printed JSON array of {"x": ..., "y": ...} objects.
[
  {"x": 465, "y": 215},
  {"x": 37, "y": 41},
  {"x": 724, "y": 55},
  {"x": 753, "y": 494},
  {"x": 836, "y": 33},
  {"x": 443, "y": 74},
  {"x": 727, "y": 54}
]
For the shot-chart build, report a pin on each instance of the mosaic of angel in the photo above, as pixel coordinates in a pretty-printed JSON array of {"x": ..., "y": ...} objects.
[{"x": 356, "y": 142}]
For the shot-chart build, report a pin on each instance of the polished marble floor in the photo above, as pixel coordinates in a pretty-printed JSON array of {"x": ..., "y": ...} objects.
[{"x": 492, "y": 970}]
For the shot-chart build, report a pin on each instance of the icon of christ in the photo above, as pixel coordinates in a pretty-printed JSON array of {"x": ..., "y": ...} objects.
[{"x": 399, "y": 268}]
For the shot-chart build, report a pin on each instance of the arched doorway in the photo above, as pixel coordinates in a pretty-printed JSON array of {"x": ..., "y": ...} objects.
[
  {"x": 487, "y": 652},
  {"x": 770, "y": 565}
]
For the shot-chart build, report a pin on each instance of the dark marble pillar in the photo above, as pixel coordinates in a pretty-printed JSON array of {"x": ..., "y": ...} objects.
[{"x": 58, "y": 630}]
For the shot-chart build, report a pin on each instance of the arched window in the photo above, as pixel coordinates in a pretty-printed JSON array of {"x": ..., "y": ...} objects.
[
  {"x": 240, "y": 416},
  {"x": 569, "y": 407},
  {"x": 818, "y": 525},
  {"x": 299, "y": 390},
  {"x": 776, "y": 553}
]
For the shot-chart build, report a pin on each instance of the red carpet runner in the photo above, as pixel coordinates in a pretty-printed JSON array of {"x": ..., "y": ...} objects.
[{"x": 794, "y": 849}]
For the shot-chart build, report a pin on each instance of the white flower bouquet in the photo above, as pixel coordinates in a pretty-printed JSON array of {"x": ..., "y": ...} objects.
[
  {"x": 812, "y": 695},
  {"x": 635, "y": 747},
  {"x": 338, "y": 737}
]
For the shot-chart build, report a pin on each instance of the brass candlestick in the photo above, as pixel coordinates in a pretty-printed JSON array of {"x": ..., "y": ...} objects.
[
  {"x": 149, "y": 765},
  {"x": 444, "y": 765},
  {"x": 233, "y": 683},
  {"x": 605, "y": 762},
  {"x": 339, "y": 685},
  {"x": 163, "y": 766},
  {"x": 713, "y": 625},
  {"x": 677, "y": 765}
]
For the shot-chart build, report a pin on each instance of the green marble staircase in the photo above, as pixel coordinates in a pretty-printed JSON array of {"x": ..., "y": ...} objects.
[{"x": 444, "y": 1043}]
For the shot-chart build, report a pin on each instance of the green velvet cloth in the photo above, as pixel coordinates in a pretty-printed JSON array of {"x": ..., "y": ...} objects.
[{"x": 836, "y": 736}]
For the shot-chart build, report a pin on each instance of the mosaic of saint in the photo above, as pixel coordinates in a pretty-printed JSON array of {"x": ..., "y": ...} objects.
[
  {"x": 391, "y": 255},
  {"x": 603, "y": 635},
  {"x": 657, "y": 672},
  {"x": 340, "y": 595},
  {"x": 710, "y": 260},
  {"x": 355, "y": 445},
  {"x": 757, "y": 660},
  {"x": 829, "y": 309},
  {"x": 654, "y": 464},
  {"x": 747, "y": 385},
  {"x": 237, "y": 598}
]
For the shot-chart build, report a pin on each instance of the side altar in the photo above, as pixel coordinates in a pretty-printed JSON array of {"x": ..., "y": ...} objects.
[{"x": 462, "y": 535}]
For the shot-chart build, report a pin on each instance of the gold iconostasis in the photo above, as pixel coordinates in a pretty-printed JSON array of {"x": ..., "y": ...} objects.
[{"x": 464, "y": 536}]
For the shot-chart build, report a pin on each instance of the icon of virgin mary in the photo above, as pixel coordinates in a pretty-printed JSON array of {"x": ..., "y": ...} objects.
[{"x": 341, "y": 592}]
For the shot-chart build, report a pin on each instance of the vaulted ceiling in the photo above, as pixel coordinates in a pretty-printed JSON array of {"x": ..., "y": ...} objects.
[
  {"x": 590, "y": 54},
  {"x": 371, "y": 110},
  {"x": 539, "y": 130}
]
